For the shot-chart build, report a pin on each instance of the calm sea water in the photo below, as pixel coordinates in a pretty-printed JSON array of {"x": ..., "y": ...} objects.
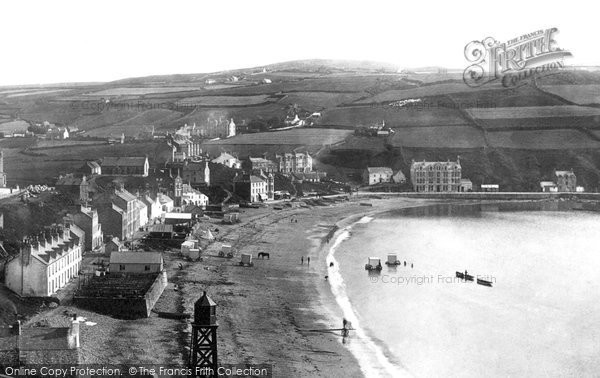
[{"x": 541, "y": 317}]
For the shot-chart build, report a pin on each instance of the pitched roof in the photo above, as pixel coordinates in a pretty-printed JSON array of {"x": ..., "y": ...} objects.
[
  {"x": 564, "y": 173},
  {"x": 380, "y": 170},
  {"x": 125, "y": 195},
  {"x": 163, "y": 198},
  {"x": 426, "y": 164},
  {"x": 136, "y": 258},
  {"x": 223, "y": 157},
  {"x": 93, "y": 164},
  {"x": 125, "y": 161},
  {"x": 248, "y": 178},
  {"x": 193, "y": 166}
]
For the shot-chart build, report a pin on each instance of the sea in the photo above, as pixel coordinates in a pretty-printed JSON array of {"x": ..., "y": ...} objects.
[{"x": 540, "y": 317}]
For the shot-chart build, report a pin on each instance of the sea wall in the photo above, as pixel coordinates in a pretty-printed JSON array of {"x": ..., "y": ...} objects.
[
  {"x": 126, "y": 307},
  {"x": 475, "y": 208},
  {"x": 518, "y": 196}
]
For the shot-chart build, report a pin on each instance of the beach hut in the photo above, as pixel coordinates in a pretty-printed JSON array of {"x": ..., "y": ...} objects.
[
  {"x": 374, "y": 263},
  {"x": 392, "y": 259},
  {"x": 246, "y": 260},
  {"x": 194, "y": 253}
]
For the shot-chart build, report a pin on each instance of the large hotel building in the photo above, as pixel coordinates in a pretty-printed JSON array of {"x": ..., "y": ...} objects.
[{"x": 436, "y": 176}]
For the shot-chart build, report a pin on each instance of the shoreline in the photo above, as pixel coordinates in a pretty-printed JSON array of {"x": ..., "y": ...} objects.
[{"x": 268, "y": 313}]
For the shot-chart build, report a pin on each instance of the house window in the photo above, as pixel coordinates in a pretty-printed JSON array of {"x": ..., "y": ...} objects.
[
  {"x": 121, "y": 267},
  {"x": 146, "y": 267}
]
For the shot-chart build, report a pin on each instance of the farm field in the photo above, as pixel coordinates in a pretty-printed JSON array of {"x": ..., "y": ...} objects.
[
  {"x": 35, "y": 93},
  {"x": 394, "y": 117},
  {"x": 418, "y": 92},
  {"x": 533, "y": 112},
  {"x": 320, "y": 100},
  {"x": 49, "y": 143},
  {"x": 266, "y": 111},
  {"x": 579, "y": 94},
  {"x": 152, "y": 117},
  {"x": 310, "y": 136},
  {"x": 140, "y": 91},
  {"x": 26, "y": 169},
  {"x": 540, "y": 123},
  {"x": 438, "y": 137},
  {"x": 503, "y": 97},
  {"x": 542, "y": 139},
  {"x": 13, "y": 126},
  {"x": 332, "y": 83},
  {"x": 225, "y": 100}
]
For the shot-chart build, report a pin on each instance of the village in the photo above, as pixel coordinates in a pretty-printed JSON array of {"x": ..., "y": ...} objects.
[{"x": 129, "y": 228}]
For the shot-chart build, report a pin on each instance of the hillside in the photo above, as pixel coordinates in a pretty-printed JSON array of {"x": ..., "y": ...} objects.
[{"x": 430, "y": 110}]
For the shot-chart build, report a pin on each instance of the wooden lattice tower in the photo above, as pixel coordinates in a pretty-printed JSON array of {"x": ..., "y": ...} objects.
[{"x": 204, "y": 337}]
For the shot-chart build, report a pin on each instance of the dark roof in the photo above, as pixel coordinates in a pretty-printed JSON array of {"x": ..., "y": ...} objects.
[
  {"x": 116, "y": 161},
  {"x": 162, "y": 228},
  {"x": 194, "y": 166},
  {"x": 136, "y": 258}
]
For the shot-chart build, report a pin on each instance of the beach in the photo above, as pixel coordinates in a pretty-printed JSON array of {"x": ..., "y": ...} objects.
[
  {"x": 265, "y": 312},
  {"x": 277, "y": 312}
]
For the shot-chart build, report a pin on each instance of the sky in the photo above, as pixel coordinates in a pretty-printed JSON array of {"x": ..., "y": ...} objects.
[{"x": 81, "y": 41}]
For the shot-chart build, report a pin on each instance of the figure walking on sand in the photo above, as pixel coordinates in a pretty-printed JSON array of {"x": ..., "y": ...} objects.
[
  {"x": 308, "y": 260},
  {"x": 302, "y": 260}
]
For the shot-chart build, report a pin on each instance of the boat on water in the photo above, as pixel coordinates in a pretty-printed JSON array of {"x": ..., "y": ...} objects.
[
  {"x": 374, "y": 263},
  {"x": 484, "y": 282},
  {"x": 464, "y": 276}
]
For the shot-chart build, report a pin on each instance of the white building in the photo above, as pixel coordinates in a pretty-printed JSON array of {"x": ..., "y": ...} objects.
[
  {"x": 228, "y": 160},
  {"x": 46, "y": 263},
  {"x": 136, "y": 262},
  {"x": 143, "y": 209},
  {"x": 376, "y": 175}
]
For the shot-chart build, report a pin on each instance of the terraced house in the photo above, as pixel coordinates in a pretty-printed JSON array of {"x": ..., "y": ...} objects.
[
  {"x": 46, "y": 262},
  {"x": 119, "y": 213},
  {"x": 87, "y": 219},
  {"x": 436, "y": 176},
  {"x": 296, "y": 162}
]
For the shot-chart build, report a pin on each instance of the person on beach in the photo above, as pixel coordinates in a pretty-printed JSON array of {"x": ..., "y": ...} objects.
[
  {"x": 302, "y": 260},
  {"x": 411, "y": 265},
  {"x": 308, "y": 260}
]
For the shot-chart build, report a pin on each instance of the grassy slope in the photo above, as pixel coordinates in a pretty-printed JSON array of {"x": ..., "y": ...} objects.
[{"x": 445, "y": 124}]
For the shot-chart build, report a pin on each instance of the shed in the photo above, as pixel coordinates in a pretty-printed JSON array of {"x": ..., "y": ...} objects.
[{"x": 136, "y": 262}]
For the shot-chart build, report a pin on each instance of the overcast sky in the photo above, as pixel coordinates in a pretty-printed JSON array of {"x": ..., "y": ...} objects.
[{"x": 67, "y": 41}]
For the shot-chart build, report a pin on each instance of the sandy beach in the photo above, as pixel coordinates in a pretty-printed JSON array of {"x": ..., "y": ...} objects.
[
  {"x": 265, "y": 311},
  {"x": 276, "y": 312}
]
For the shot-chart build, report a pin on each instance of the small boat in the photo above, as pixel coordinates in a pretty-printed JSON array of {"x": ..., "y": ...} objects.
[
  {"x": 463, "y": 276},
  {"x": 484, "y": 282},
  {"x": 392, "y": 260},
  {"x": 373, "y": 264}
]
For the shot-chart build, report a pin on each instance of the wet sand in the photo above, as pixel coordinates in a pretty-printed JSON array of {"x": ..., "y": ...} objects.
[{"x": 265, "y": 312}]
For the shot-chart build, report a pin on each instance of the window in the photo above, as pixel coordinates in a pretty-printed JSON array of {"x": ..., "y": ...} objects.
[
  {"x": 121, "y": 267},
  {"x": 146, "y": 267}
]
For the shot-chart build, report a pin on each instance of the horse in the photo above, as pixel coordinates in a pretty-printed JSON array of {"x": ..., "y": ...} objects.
[{"x": 262, "y": 255}]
